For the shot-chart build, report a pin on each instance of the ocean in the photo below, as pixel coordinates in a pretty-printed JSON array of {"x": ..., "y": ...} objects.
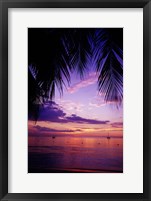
[{"x": 68, "y": 154}]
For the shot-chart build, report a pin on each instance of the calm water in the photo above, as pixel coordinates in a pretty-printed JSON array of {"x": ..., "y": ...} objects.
[{"x": 75, "y": 154}]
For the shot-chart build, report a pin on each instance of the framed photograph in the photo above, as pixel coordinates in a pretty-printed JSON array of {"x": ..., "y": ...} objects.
[{"x": 75, "y": 100}]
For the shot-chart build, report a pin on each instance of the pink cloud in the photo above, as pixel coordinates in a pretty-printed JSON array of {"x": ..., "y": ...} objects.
[
  {"x": 68, "y": 105},
  {"x": 98, "y": 101},
  {"x": 91, "y": 79}
]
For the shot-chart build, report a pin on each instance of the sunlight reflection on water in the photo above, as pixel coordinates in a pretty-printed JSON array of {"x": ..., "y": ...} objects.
[{"x": 81, "y": 153}]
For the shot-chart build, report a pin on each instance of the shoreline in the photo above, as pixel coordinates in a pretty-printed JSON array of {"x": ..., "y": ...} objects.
[{"x": 73, "y": 170}]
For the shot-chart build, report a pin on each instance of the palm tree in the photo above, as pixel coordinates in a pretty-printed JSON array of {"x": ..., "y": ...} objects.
[{"x": 54, "y": 53}]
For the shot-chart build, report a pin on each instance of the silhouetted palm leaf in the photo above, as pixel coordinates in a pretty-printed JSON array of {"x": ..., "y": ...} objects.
[
  {"x": 54, "y": 53},
  {"x": 79, "y": 50},
  {"x": 35, "y": 95},
  {"x": 48, "y": 54},
  {"x": 109, "y": 64},
  {"x": 110, "y": 80}
]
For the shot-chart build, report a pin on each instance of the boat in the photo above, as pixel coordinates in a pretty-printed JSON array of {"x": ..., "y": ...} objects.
[{"x": 108, "y": 137}]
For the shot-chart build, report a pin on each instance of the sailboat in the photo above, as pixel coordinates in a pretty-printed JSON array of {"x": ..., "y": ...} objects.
[{"x": 108, "y": 137}]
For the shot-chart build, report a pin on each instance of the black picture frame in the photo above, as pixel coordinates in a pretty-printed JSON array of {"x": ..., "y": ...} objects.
[{"x": 4, "y": 6}]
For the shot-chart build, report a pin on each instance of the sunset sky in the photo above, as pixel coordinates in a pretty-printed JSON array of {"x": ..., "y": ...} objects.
[
  {"x": 75, "y": 96},
  {"x": 81, "y": 110}
]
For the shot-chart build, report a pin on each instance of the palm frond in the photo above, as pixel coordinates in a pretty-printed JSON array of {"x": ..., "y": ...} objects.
[
  {"x": 110, "y": 80},
  {"x": 35, "y": 95},
  {"x": 48, "y": 53},
  {"x": 54, "y": 53},
  {"x": 108, "y": 58},
  {"x": 80, "y": 50}
]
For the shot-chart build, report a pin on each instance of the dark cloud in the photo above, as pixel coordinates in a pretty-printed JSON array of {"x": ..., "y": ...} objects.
[
  {"x": 45, "y": 129},
  {"x": 117, "y": 124},
  {"x": 54, "y": 113},
  {"x": 51, "y": 112},
  {"x": 77, "y": 119}
]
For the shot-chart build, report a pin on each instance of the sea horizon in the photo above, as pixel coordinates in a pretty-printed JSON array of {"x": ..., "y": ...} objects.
[{"x": 75, "y": 154}]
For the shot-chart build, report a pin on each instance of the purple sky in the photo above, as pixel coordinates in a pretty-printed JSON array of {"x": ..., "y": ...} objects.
[{"x": 81, "y": 109}]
